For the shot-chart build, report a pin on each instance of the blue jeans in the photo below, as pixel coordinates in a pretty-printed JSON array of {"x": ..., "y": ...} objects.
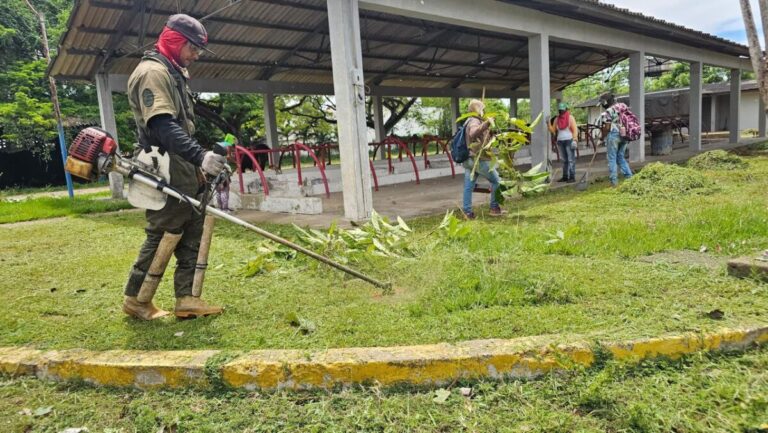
[
  {"x": 568, "y": 154},
  {"x": 483, "y": 169},
  {"x": 615, "y": 148}
]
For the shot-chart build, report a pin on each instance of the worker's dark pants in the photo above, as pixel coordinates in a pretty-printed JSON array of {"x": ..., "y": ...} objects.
[{"x": 176, "y": 217}]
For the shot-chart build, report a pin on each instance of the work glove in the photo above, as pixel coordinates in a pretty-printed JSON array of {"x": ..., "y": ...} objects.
[{"x": 213, "y": 163}]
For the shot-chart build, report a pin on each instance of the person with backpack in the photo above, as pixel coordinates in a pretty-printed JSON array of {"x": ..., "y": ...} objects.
[
  {"x": 477, "y": 135},
  {"x": 564, "y": 125},
  {"x": 615, "y": 133}
]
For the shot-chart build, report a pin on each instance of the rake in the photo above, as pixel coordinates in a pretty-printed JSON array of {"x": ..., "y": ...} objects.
[{"x": 583, "y": 182}]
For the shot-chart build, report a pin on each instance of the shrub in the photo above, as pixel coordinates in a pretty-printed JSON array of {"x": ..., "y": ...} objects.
[
  {"x": 717, "y": 160},
  {"x": 667, "y": 181}
]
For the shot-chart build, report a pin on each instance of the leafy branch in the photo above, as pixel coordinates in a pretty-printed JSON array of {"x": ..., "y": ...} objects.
[{"x": 501, "y": 149}]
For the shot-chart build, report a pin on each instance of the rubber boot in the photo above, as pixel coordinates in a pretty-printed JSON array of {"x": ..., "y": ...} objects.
[
  {"x": 142, "y": 310},
  {"x": 190, "y": 307}
]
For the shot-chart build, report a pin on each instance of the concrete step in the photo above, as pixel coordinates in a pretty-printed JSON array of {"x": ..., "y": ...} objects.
[
  {"x": 285, "y": 184},
  {"x": 277, "y": 204},
  {"x": 748, "y": 267}
]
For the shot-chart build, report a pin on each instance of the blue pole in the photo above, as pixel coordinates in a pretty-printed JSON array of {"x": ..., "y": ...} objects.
[{"x": 63, "y": 148}]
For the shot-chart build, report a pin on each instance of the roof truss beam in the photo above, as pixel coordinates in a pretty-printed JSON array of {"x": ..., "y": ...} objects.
[
  {"x": 507, "y": 18},
  {"x": 119, "y": 83}
]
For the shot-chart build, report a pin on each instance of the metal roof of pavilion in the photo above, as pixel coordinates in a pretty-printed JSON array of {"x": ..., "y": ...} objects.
[{"x": 288, "y": 41}]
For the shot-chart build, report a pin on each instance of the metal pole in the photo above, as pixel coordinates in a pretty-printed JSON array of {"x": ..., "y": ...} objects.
[
  {"x": 55, "y": 102},
  {"x": 216, "y": 212}
]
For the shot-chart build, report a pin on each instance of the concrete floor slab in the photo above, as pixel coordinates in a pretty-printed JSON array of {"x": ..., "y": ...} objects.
[{"x": 435, "y": 196}]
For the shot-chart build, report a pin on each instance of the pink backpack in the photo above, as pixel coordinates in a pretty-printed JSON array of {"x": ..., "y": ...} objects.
[{"x": 629, "y": 125}]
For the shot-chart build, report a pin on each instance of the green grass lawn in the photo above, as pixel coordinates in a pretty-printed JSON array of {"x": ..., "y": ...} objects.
[
  {"x": 51, "y": 207},
  {"x": 626, "y": 267},
  {"x": 7, "y": 192},
  {"x": 701, "y": 394}
]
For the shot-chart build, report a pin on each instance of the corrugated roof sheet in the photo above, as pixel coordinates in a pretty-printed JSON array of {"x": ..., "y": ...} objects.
[{"x": 287, "y": 40}]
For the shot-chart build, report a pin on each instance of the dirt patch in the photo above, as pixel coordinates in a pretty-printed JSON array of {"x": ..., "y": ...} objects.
[
  {"x": 759, "y": 148},
  {"x": 667, "y": 181},
  {"x": 398, "y": 295},
  {"x": 717, "y": 160},
  {"x": 686, "y": 258}
]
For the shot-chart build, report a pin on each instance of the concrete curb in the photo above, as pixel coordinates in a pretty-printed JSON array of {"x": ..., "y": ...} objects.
[{"x": 425, "y": 365}]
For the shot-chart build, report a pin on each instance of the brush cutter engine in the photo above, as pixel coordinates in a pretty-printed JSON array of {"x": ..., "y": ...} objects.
[{"x": 91, "y": 154}]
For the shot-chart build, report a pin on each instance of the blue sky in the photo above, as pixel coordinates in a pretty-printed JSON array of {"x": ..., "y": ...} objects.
[{"x": 719, "y": 17}]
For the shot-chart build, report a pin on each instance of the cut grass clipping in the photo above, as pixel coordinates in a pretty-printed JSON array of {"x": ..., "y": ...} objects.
[
  {"x": 667, "y": 181},
  {"x": 717, "y": 160}
]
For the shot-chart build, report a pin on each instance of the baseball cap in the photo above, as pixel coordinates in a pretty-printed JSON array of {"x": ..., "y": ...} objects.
[
  {"x": 562, "y": 106},
  {"x": 191, "y": 28},
  {"x": 229, "y": 139}
]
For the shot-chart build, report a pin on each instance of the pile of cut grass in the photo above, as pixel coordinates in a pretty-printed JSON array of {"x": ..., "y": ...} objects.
[
  {"x": 717, "y": 160},
  {"x": 667, "y": 181},
  {"x": 759, "y": 146}
]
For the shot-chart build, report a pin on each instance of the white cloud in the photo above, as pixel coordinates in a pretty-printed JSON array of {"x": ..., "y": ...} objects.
[{"x": 720, "y": 17}]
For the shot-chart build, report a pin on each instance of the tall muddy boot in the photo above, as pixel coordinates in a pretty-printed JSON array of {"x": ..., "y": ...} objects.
[
  {"x": 190, "y": 307},
  {"x": 141, "y": 306}
]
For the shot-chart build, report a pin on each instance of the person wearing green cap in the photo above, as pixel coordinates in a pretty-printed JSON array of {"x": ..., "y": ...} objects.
[
  {"x": 222, "y": 188},
  {"x": 564, "y": 125}
]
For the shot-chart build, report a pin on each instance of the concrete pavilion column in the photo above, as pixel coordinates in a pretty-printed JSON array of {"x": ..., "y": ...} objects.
[
  {"x": 378, "y": 123},
  {"x": 107, "y": 117},
  {"x": 455, "y": 108},
  {"x": 694, "y": 113},
  {"x": 760, "y": 117},
  {"x": 106, "y": 108},
  {"x": 349, "y": 90},
  {"x": 713, "y": 112},
  {"x": 733, "y": 117},
  {"x": 378, "y": 118},
  {"x": 270, "y": 121},
  {"x": 637, "y": 102},
  {"x": 270, "y": 126},
  {"x": 538, "y": 58},
  {"x": 513, "y": 107}
]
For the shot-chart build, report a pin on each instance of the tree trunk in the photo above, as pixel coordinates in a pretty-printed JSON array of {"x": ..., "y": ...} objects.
[
  {"x": 756, "y": 53},
  {"x": 397, "y": 116},
  {"x": 210, "y": 115}
]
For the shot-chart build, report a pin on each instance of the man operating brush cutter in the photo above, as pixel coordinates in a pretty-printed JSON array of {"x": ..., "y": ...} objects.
[
  {"x": 163, "y": 110},
  {"x": 172, "y": 177}
]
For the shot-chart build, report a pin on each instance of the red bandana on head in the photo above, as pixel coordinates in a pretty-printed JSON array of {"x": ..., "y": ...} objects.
[{"x": 170, "y": 44}]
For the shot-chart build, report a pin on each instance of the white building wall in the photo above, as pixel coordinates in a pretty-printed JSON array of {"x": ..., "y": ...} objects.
[
  {"x": 748, "y": 116},
  {"x": 748, "y": 111}
]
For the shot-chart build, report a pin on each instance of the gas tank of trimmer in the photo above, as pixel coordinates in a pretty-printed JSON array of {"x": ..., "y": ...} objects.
[{"x": 91, "y": 153}]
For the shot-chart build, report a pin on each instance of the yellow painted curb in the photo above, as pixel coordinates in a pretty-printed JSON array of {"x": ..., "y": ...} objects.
[
  {"x": 676, "y": 346},
  {"x": 416, "y": 365},
  {"x": 444, "y": 363},
  {"x": 19, "y": 361},
  {"x": 430, "y": 365},
  {"x": 127, "y": 368}
]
